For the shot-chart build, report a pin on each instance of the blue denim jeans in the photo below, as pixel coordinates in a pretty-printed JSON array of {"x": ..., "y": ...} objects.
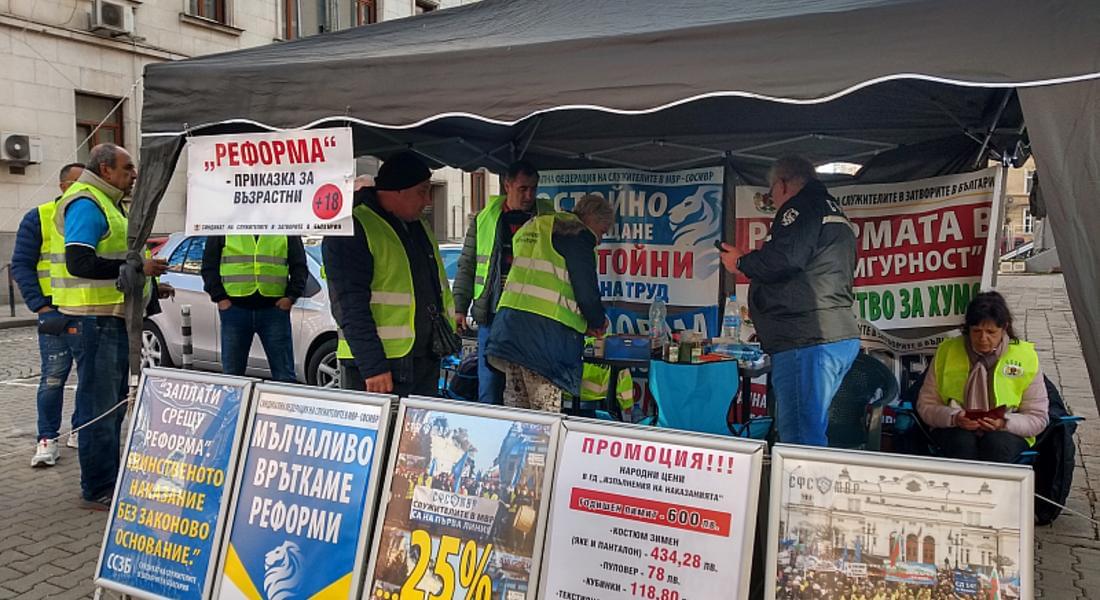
[
  {"x": 490, "y": 382},
  {"x": 100, "y": 348},
  {"x": 57, "y": 361},
  {"x": 805, "y": 381},
  {"x": 239, "y": 325}
]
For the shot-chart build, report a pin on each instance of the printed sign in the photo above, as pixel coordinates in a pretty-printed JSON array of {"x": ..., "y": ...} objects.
[
  {"x": 662, "y": 242},
  {"x": 465, "y": 504},
  {"x": 306, "y": 490},
  {"x": 278, "y": 183},
  {"x": 651, "y": 515},
  {"x": 165, "y": 524},
  {"x": 915, "y": 523},
  {"x": 921, "y": 245}
]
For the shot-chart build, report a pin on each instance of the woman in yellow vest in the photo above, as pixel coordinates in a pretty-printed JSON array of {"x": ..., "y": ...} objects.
[{"x": 984, "y": 393}]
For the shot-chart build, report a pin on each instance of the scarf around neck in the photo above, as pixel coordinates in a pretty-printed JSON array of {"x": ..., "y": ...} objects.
[{"x": 979, "y": 383}]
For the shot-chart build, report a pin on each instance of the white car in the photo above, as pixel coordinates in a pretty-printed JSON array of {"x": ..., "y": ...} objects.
[{"x": 312, "y": 326}]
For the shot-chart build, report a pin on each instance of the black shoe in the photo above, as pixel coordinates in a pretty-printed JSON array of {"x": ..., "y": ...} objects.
[{"x": 102, "y": 502}]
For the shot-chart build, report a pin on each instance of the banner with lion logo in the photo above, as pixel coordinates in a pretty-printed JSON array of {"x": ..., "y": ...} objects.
[{"x": 662, "y": 242}]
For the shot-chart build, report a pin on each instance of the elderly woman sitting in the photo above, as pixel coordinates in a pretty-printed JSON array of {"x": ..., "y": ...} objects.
[{"x": 984, "y": 394}]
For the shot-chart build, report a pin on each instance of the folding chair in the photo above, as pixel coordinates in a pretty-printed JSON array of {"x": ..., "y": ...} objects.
[{"x": 697, "y": 397}]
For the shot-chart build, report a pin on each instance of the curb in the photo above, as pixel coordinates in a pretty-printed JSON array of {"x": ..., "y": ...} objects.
[{"x": 13, "y": 322}]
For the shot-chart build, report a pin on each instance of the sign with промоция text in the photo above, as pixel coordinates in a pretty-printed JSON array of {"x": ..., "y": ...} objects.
[
  {"x": 169, "y": 506},
  {"x": 278, "y": 183},
  {"x": 642, "y": 513}
]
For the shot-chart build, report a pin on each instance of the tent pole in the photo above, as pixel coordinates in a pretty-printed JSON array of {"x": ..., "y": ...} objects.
[
  {"x": 992, "y": 128},
  {"x": 996, "y": 230}
]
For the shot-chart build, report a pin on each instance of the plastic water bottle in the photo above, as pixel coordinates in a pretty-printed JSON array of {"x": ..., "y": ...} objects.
[
  {"x": 658, "y": 328},
  {"x": 731, "y": 319}
]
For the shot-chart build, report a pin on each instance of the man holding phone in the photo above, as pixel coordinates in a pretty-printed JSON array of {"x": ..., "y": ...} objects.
[{"x": 800, "y": 298}]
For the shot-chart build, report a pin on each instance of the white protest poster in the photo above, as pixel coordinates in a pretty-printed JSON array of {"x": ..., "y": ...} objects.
[
  {"x": 848, "y": 523},
  {"x": 921, "y": 249},
  {"x": 640, "y": 513},
  {"x": 662, "y": 242},
  {"x": 278, "y": 183}
]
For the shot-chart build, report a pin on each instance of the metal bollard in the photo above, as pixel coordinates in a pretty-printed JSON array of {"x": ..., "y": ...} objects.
[{"x": 188, "y": 357}]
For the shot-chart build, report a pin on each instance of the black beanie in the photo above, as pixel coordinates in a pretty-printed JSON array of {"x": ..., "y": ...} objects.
[{"x": 401, "y": 171}]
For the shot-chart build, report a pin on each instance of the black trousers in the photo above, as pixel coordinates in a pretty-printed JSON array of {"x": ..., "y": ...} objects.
[
  {"x": 422, "y": 379},
  {"x": 989, "y": 446}
]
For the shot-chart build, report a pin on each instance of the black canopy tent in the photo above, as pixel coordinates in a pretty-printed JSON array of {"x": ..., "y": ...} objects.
[{"x": 908, "y": 88}]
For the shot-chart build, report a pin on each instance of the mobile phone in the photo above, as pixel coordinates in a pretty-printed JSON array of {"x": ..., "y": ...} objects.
[{"x": 718, "y": 244}]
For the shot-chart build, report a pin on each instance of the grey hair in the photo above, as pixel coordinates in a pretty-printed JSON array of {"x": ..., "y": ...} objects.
[
  {"x": 792, "y": 168},
  {"x": 597, "y": 207},
  {"x": 103, "y": 154}
]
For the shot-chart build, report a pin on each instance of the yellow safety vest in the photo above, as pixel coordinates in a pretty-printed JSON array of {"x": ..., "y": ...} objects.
[
  {"x": 46, "y": 212},
  {"x": 251, "y": 265},
  {"x": 343, "y": 350},
  {"x": 1012, "y": 375},
  {"x": 595, "y": 380},
  {"x": 71, "y": 291},
  {"x": 488, "y": 221},
  {"x": 538, "y": 281},
  {"x": 393, "y": 301}
]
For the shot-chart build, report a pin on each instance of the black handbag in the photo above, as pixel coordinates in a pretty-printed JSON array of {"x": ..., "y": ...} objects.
[{"x": 445, "y": 341}]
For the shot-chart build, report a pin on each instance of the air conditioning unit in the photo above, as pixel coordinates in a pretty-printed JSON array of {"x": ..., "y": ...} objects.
[
  {"x": 115, "y": 17},
  {"x": 20, "y": 149}
]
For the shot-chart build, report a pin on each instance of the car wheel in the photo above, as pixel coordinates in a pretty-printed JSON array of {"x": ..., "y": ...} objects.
[
  {"x": 154, "y": 352},
  {"x": 323, "y": 368}
]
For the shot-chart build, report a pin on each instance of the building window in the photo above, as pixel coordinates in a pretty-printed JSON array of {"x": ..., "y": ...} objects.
[
  {"x": 209, "y": 9},
  {"x": 366, "y": 12},
  {"x": 309, "y": 17},
  {"x": 97, "y": 111},
  {"x": 1029, "y": 221},
  {"x": 478, "y": 190},
  {"x": 423, "y": 6},
  {"x": 853, "y": 505},
  {"x": 1029, "y": 180},
  {"x": 911, "y": 547},
  {"x": 928, "y": 550}
]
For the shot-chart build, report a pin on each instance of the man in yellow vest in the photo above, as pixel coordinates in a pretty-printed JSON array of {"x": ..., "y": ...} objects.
[
  {"x": 90, "y": 232},
  {"x": 30, "y": 268},
  {"x": 389, "y": 290},
  {"x": 255, "y": 281},
  {"x": 550, "y": 301},
  {"x": 486, "y": 259}
]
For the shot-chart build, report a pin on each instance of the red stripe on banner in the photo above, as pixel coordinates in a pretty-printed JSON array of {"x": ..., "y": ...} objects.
[{"x": 678, "y": 516}]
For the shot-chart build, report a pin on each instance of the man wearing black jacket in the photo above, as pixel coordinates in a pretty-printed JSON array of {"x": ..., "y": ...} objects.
[
  {"x": 387, "y": 284},
  {"x": 800, "y": 298},
  {"x": 255, "y": 281}
]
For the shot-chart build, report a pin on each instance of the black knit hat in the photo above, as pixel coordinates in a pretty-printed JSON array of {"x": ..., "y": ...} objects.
[{"x": 401, "y": 171}]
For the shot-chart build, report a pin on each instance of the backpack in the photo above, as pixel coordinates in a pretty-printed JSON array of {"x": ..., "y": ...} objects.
[
  {"x": 463, "y": 384},
  {"x": 1055, "y": 463}
]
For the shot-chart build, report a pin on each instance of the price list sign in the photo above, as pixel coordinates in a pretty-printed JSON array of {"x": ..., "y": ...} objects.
[
  {"x": 651, "y": 515},
  {"x": 467, "y": 495}
]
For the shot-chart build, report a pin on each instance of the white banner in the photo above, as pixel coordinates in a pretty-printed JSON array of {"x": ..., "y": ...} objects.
[
  {"x": 922, "y": 245},
  {"x": 662, "y": 242},
  {"x": 640, "y": 518},
  {"x": 280, "y": 183}
]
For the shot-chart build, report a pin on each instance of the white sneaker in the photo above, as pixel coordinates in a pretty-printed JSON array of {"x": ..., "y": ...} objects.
[
  {"x": 45, "y": 454},
  {"x": 73, "y": 442}
]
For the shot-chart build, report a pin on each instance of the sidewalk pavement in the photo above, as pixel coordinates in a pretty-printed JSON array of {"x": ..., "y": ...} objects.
[{"x": 50, "y": 545}]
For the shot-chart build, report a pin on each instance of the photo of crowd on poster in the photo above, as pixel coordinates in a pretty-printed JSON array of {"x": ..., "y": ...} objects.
[
  {"x": 872, "y": 533},
  {"x": 473, "y": 479}
]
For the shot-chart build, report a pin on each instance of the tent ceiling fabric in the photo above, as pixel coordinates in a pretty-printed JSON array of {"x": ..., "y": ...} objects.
[{"x": 504, "y": 60}]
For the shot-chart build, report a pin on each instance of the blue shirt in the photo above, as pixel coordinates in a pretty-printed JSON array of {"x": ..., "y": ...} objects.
[{"x": 85, "y": 223}]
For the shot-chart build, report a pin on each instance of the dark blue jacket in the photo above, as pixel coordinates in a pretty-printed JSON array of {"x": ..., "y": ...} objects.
[
  {"x": 24, "y": 261},
  {"x": 543, "y": 345}
]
